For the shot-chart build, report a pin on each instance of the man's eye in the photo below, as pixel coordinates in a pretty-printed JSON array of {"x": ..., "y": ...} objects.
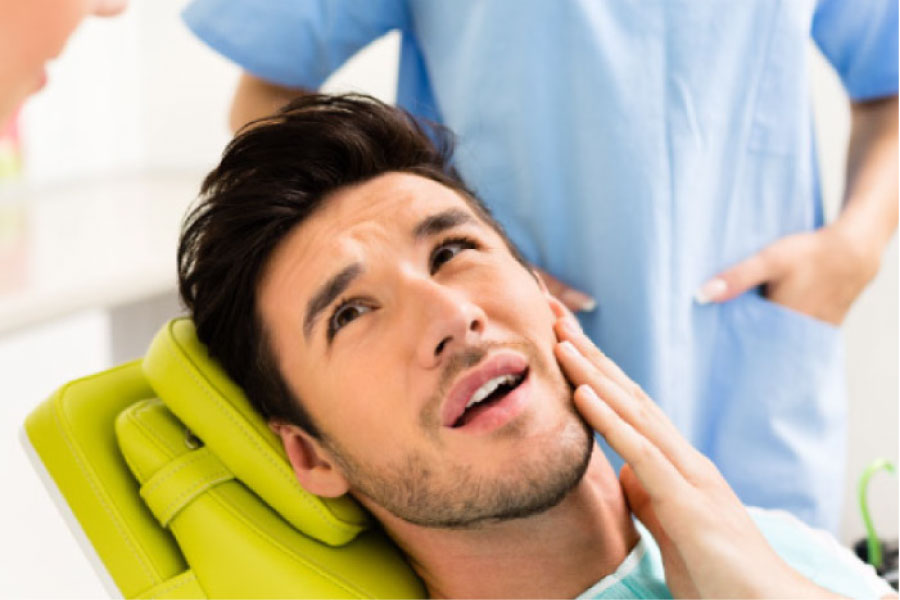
[
  {"x": 447, "y": 249},
  {"x": 343, "y": 314}
]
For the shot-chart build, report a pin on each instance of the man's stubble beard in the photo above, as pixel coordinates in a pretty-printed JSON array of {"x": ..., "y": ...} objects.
[{"x": 452, "y": 496}]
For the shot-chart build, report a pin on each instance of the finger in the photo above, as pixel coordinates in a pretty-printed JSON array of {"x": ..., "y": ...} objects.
[
  {"x": 568, "y": 329},
  {"x": 575, "y": 300},
  {"x": 656, "y": 473},
  {"x": 641, "y": 504},
  {"x": 640, "y": 413},
  {"x": 736, "y": 280},
  {"x": 677, "y": 575},
  {"x": 560, "y": 310},
  {"x": 640, "y": 410}
]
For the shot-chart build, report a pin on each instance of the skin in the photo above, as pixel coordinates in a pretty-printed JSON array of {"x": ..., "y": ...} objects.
[
  {"x": 32, "y": 33},
  {"x": 710, "y": 547},
  {"x": 819, "y": 273},
  {"x": 256, "y": 97},
  {"x": 419, "y": 319},
  {"x": 480, "y": 297}
]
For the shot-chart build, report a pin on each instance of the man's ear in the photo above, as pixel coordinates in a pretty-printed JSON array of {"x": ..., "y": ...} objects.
[{"x": 313, "y": 465}]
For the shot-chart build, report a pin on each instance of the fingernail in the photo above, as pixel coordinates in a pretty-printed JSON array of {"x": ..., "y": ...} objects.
[
  {"x": 581, "y": 302},
  {"x": 710, "y": 291},
  {"x": 569, "y": 348},
  {"x": 571, "y": 328},
  {"x": 588, "y": 391}
]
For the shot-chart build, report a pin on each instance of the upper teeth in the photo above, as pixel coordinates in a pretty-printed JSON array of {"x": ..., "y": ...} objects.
[{"x": 489, "y": 387}]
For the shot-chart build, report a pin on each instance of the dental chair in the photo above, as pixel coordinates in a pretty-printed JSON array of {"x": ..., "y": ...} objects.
[{"x": 182, "y": 491}]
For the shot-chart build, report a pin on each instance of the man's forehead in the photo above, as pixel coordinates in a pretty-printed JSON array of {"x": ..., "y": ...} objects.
[
  {"x": 397, "y": 198},
  {"x": 383, "y": 212}
]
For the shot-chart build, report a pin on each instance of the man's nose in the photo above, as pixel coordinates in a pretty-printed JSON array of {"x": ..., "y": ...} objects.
[{"x": 450, "y": 320}]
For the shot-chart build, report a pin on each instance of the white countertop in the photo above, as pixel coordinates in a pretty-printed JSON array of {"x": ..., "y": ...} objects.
[{"x": 93, "y": 243}]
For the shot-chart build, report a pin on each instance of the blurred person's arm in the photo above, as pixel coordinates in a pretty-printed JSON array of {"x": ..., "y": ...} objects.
[
  {"x": 255, "y": 98},
  {"x": 821, "y": 273},
  {"x": 869, "y": 215}
]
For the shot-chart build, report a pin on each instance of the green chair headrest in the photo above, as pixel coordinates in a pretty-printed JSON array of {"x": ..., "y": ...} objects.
[{"x": 197, "y": 390}]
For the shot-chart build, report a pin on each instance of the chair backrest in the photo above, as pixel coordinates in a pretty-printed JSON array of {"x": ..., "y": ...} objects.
[{"x": 183, "y": 491}]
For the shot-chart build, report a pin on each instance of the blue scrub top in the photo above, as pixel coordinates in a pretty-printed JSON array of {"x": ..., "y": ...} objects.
[{"x": 634, "y": 150}]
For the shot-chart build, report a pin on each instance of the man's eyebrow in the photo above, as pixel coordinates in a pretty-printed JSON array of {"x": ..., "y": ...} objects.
[
  {"x": 335, "y": 286},
  {"x": 326, "y": 294},
  {"x": 436, "y": 223}
]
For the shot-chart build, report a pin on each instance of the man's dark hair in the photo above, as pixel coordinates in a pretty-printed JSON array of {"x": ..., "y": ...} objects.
[{"x": 273, "y": 175}]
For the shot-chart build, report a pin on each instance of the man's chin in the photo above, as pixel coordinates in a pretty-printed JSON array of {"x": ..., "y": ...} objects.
[
  {"x": 539, "y": 480},
  {"x": 491, "y": 480}
]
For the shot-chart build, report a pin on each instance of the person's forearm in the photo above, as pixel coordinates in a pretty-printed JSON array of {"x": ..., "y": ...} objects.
[
  {"x": 255, "y": 98},
  {"x": 869, "y": 215}
]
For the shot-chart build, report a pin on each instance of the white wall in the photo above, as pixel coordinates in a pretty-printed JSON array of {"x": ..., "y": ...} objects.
[
  {"x": 870, "y": 331},
  {"x": 136, "y": 92},
  {"x": 139, "y": 93}
]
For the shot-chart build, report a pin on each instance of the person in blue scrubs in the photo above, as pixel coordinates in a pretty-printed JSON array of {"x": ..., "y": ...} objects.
[{"x": 660, "y": 157}]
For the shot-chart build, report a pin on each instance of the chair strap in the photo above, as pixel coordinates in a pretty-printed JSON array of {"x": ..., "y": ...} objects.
[{"x": 178, "y": 483}]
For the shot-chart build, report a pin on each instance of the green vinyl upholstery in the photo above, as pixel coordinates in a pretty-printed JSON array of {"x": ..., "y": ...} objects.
[{"x": 183, "y": 491}]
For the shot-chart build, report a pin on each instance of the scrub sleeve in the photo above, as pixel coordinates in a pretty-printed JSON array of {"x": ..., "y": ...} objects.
[{"x": 635, "y": 149}]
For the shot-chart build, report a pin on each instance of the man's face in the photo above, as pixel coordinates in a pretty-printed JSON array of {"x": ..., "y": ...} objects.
[{"x": 390, "y": 310}]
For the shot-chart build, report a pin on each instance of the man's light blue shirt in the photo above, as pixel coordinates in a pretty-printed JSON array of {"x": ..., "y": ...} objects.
[
  {"x": 815, "y": 554},
  {"x": 634, "y": 150}
]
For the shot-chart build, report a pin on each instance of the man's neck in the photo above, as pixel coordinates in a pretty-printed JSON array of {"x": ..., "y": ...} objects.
[{"x": 557, "y": 554}]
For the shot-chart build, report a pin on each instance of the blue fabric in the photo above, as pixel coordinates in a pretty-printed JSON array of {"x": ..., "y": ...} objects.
[
  {"x": 860, "y": 40},
  {"x": 635, "y": 149},
  {"x": 814, "y": 554},
  {"x": 641, "y": 574}
]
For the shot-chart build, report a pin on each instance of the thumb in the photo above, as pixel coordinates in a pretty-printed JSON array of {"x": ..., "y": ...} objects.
[
  {"x": 733, "y": 282},
  {"x": 640, "y": 502},
  {"x": 677, "y": 576}
]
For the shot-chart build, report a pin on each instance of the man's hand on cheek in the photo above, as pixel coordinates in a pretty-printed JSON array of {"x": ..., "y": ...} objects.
[{"x": 709, "y": 544}]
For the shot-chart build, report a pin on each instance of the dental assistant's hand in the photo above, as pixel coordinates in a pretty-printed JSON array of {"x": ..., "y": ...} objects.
[
  {"x": 819, "y": 274},
  {"x": 574, "y": 300},
  {"x": 709, "y": 544}
]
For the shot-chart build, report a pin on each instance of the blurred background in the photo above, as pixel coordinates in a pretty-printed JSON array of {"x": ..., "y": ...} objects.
[{"x": 94, "y": 180}]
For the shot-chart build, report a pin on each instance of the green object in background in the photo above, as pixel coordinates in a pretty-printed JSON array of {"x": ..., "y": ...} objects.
[{"x": 874, "y": 545}]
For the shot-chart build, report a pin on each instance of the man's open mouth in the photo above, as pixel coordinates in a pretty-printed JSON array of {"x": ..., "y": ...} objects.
[
  {"x": 484, "y": 387},
  {"x": 489, "y": 394}
]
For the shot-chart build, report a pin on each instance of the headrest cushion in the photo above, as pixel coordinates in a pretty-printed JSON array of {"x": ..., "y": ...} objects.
[{"x": 197, "y": 390}]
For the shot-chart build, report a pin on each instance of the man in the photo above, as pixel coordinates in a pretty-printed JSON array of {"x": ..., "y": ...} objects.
[
  {"x": 659, "y": 156},
  {"x": 399, "y": 345}
]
